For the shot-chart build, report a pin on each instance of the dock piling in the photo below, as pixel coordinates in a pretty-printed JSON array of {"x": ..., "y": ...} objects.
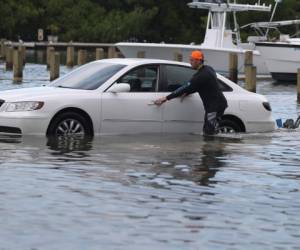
[
  {"x": 50, "y": 50},
  {"x": 22, "y": 48},
  {"x": 233, "y": 67},
  {"x": 9, "y": 58},
  {"x": 70, "y": 56},
  {"x": 82, "y": 57},
  {"x": 54, "y": 65},
  {"x": 249, "y": 58},
  {"x": 18, "y": 65},
  {"x": 250, "y": 81},
  {"x": 111, "y": 52},
  {"x": 99, "y": 53},
  {"x": 2, "y": 48},
  {"x": 250, "y": 72}
]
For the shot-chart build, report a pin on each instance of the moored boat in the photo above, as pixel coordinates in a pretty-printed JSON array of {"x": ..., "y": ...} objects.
[
  {"x": 282, "y": 58},
  {"x": 218, "y": 43}
]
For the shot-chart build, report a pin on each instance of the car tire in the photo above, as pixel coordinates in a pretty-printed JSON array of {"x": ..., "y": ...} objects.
[
  {"x": 229, "y": 126},
  {"x": 70, "y": 124}
]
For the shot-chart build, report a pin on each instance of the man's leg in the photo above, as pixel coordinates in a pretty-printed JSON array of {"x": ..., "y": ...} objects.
[
  {"x": 220, "y": 113},
  {"x": 210, "y": 123}
]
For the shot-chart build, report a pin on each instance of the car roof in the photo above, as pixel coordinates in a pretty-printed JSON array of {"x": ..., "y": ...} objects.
[{"x": 135, "y": 61}]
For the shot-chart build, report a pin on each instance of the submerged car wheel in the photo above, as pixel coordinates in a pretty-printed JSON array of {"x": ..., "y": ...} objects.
[
  {"x": 229, "y": 126},
  {"x": 69, "y": 124}
]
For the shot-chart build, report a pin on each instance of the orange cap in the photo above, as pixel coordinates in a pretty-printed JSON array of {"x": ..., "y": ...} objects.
[{"x": 197, "y": 54}]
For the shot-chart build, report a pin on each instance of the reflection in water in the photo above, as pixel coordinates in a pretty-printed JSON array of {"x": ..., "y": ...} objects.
[
  {"x": 178, "y": 160},
  {"x": 62, "y": 145},
  {"x": 10, "y": 138},
  {"x": 212, "y": 155}
]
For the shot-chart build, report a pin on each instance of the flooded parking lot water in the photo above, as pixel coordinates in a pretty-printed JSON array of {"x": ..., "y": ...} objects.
[{"x": 152, "y": 192}]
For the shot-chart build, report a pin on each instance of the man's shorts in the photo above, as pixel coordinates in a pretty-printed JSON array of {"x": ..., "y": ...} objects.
[{"x": 211, "y": 122}]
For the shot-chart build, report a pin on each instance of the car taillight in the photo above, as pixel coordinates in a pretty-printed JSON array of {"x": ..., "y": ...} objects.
[{"x": 267, "y": 106}]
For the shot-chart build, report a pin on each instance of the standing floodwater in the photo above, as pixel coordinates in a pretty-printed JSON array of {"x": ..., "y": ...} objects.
[{"x": 150, "y": 191}]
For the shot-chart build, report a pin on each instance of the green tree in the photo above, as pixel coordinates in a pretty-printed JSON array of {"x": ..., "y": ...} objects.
[{"x": 115, "y": 20}]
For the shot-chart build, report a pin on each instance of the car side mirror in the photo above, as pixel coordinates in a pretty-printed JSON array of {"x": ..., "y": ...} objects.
[{"x": 119, "y": 88}]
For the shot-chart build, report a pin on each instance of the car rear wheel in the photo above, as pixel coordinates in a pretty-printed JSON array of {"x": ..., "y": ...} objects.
[
  {"x": 229, "y": 126},
  {"x": 69, "y": 124}
]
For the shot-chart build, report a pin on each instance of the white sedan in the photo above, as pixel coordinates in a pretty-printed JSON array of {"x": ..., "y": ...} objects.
[{"x": 115, "y": 96}]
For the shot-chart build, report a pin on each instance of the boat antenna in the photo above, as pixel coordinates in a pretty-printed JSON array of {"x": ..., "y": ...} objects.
[
  {"x": 236, "y": 26},
  {"x": 272, "y": 16}
]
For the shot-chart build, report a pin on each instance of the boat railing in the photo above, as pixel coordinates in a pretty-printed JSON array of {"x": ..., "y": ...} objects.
[{"x": 262, "y": 28}]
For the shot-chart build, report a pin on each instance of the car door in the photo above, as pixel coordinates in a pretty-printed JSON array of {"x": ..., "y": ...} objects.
[
  {"x": 180, "y": 116},
  {"x": 133, "y": 112}
]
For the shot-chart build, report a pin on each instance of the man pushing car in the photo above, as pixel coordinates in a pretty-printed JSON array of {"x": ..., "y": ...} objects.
[{"x": 204, "y": 81}]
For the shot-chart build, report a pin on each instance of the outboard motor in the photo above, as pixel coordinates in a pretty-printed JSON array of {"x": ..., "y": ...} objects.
[{"x": 290, "y": 124}]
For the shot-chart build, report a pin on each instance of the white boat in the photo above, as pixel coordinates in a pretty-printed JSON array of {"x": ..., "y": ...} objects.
[
  {"x": 218, "y": 42},
  {"x": 282, "y": 57}
]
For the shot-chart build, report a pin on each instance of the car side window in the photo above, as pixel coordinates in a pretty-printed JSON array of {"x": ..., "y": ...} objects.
[
  {"x": 176, "y": 76},
  {"x": 141, "y": 79},
  {"x": 224, "y": 87}
]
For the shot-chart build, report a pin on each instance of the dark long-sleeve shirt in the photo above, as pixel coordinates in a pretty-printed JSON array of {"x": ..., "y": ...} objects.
[{"x": 204, "y": 81}]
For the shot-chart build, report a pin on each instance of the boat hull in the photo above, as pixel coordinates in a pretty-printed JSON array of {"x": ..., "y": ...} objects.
[{"x": 282, "y": 59}]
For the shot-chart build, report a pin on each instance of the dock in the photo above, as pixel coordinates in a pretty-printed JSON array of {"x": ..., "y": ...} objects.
[{"x": 59, "y": 45}]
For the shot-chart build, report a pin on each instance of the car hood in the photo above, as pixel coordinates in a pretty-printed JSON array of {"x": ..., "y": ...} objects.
[{"x": 36, "y": 93}]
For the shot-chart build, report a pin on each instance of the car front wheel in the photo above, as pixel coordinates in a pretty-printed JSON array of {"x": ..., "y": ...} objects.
[
  {"x": 229, "y": 126},
  {"x": 69, "y": 124}
]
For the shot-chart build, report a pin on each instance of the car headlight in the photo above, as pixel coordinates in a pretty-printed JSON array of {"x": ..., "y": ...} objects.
[{"x": 21, "y": 106}]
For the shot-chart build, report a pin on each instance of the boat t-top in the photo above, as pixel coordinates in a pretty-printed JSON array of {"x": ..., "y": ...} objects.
[{"x": 218, "y": 43}]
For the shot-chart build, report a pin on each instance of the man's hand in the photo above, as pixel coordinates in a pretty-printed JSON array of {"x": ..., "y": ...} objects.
[
  {"x": 183, "y": 96},
  {"x": 160, "y": 101}
]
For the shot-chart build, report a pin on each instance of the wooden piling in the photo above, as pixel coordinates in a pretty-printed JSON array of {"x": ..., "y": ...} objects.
[
  {"x": 70, "y": 56},
  {"x": 82, "y": 57},
  {"x": 99, "y": 53},
  {"x": 40, "y": 54},
  {"x": 2, "y": 49},
  {"x": 140, "y": 54},
  {"x": 111, "y": 52},
  {"x": 249, "y": 58},
  {"x": 250, "y": 72},
  {"x": 178, "y": 57},
  {"x": 50, "y": 50},
  {"x": 298, "y": 85},
  {"x": 250, "y": 80},
  {"x": 17, "y": 65},
  {"x": 233, "y": 67},
  {"x": 54, "y": 65},
  {"x": 22, "y": 49},
  {"x": 9, "y": 58}
]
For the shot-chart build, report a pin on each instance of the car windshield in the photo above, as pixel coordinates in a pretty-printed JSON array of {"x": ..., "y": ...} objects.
[{"x": 89, "y": 77}]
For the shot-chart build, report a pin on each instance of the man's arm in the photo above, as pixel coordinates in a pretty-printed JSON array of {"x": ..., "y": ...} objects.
[
  {"x": 184, "y": 90},
  {"x": 177, "y": 92}
]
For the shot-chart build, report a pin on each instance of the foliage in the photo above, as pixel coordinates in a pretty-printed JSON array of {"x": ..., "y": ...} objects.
[{"x": 115, "y": 20}]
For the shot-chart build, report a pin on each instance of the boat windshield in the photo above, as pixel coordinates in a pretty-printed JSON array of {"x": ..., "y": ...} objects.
[{"x": 90, "y": 76}]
